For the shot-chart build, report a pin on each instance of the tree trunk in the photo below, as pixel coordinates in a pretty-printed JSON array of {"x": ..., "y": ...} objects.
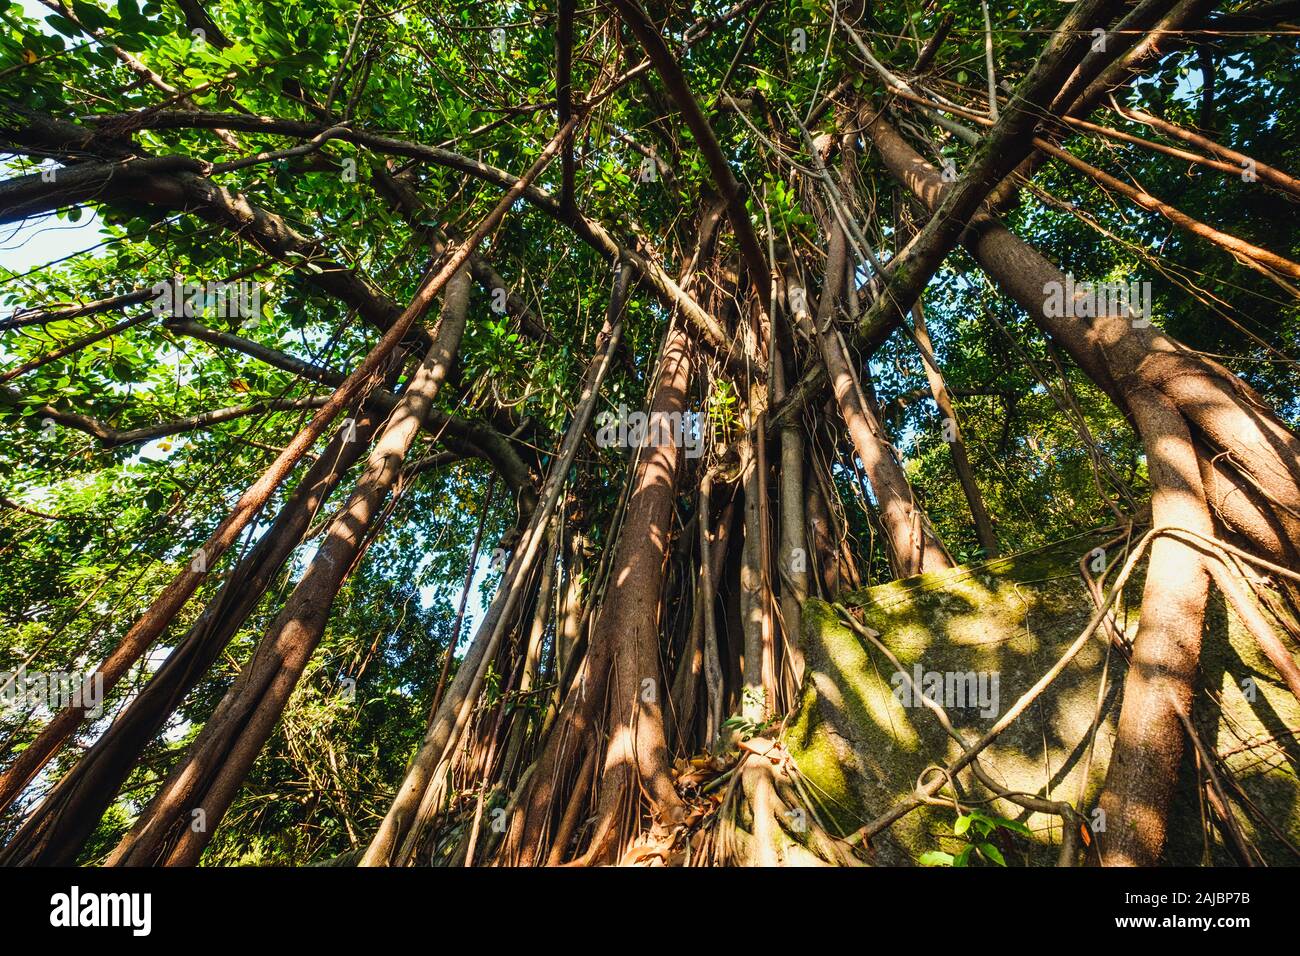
[
  {"x": 1223, "y": 411},
  {"x": 913, "y": 548},
  {"x": 177, "y": 824},
  {"x": 1161, "y": 677},
  {"x": 1185, "y": 407},
  {"x": 625, "y": 641},
  {"x": 60, "y": 825},
  {"x": 419, "y": 793}
]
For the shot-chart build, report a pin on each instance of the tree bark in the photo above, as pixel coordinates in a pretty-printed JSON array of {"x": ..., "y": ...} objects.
[
  {"x": 1185, "y": 407},
  {"x": 178, "y": 823},
  {"x": 1223, "y": 412},
  {"x": 419, "y": 792},
  {"x": 625, "y": 641},
  {"x": 1162, "y": 674},
  {"x": 174, "y": 596},
  {"x": 913, "y": 548},
  {"x": 60, "y": 825}
]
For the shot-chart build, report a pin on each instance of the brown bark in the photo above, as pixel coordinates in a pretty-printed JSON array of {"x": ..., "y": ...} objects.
[
  {"x": 1183, "y": 406},
  {"x": 756, "y": 700},
  {"x": 216, "y": 204},
  {"x": 792, "y": 548},
  {"x": 622, "y": 660},
  {"x": 1230, "y": 243},
  {"x": 1162, "y": 674},
  {"x": 713, "y": 549},
  {"x": 625, "y": 641},
  {"x": 1224, "y": 413},
  {"x": 913, "y": 548},
  {"x": 700, "y": 662},
  {"x": 573, "y": 812},
  {"x": 1003, "y": 147},
  {"x": 177, "y": 824},
  {"x": 566, "y": 636},
  {"x": 838, "y": 570},
  {"x": 1129, "y": 33},
  {"x": 420, "y": 791},
  {"x": 724, "y": 179},
  {"x": 58, "y": 827},
  {"x": 1269, "y": 174},
  {"x": 573, "y": 731},
  {"x": 1148, "y": 32},
  {"x": 1172, "y": 31},
  {"x": 164, "y": 608}
]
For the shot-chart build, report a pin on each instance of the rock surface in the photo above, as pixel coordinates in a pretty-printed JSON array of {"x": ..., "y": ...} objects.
[{"x": 1011, "y": 619}]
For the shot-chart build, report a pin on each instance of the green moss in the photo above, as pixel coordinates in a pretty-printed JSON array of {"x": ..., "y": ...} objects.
[
  {"x": 861, "y": 749},
  {"x": 809, "y": 737}
]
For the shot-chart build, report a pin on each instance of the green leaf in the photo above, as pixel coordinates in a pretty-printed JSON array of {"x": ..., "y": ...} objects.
[
  {"x": 89, "y": 14},
  {"x": 63, "y": 25},
  {"x": 993, "y": 853},
  {"x": 1015, "y": 825},
  {"x": 131, "y": 42},
  {"x": 962, "y": 824},
  {"x": 992, "y": 820},
  {"x": 935, "y": 858}
]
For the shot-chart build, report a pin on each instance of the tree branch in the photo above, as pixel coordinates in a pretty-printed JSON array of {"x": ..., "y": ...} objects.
[
  {"x": 670, "y": 72},
  {"x": 111, "y": 437}
]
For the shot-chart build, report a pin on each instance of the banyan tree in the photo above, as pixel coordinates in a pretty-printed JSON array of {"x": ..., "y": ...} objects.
[{"x": 440, "y": 433}]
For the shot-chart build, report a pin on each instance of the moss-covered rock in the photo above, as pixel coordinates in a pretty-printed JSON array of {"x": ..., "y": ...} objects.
[{"x": 997, "y": 627}]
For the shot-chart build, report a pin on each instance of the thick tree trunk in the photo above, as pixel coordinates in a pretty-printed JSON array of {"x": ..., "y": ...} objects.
[
  {"x": 1223, "y": 412},
  {"x": 836, "y": 568},
  {"x": 623, "y": 658},
  {"x": 1162, "y": 674},
  {"x": 625, "y": 641},
  {"x": 1185, "y": 407}
]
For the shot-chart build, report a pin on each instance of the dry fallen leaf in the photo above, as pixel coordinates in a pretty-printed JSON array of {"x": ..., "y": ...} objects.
[{"x": 640, "y": 854}]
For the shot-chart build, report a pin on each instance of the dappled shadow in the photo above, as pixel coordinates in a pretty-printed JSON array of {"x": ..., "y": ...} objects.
[{"x": 1014, "y": 618}]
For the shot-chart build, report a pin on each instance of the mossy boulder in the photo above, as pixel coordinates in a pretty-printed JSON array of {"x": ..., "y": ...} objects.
[{"x": 989, "y": 631}]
